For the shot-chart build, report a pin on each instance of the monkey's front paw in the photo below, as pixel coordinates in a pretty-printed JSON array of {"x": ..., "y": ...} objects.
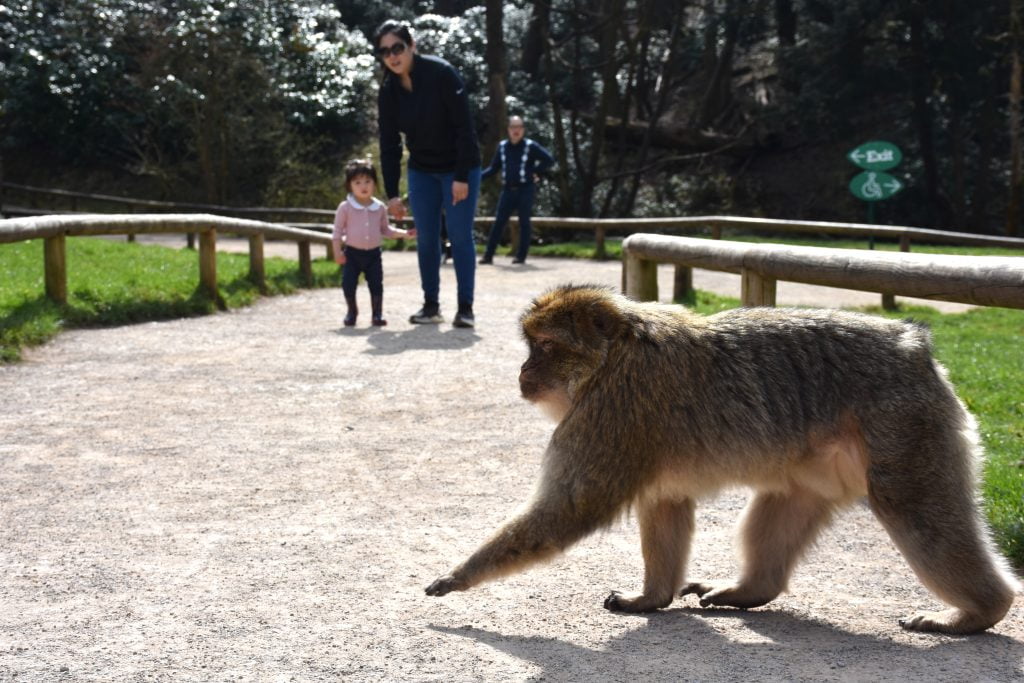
[
  {"x": 445, "y": 585},
  {"x": 635, "y": 602}
]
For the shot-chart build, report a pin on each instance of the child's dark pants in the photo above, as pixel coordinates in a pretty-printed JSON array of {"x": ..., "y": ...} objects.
[{"x": 367, "y": 261}]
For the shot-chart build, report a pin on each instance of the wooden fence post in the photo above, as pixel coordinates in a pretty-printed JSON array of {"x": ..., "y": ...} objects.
[
  {"x": 208, "y": 262},
  {"x": 257, "y": 272},
  {"x": 682, "y": 283},
  {"x": 305, "y": 264},
  {"x": 599, "y": 249},
  {"x": 755, "y": 289},
  {"x": 640, "y": 278},
  {"x": 889, "y": 300},
  {"x": 55, "y": 268}
]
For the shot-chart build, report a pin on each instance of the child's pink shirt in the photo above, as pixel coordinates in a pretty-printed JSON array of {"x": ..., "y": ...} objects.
[{"x": 362, "y": 227}]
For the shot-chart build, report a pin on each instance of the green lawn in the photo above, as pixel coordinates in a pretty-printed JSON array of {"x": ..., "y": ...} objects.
[{"x": 112, "y": 282}]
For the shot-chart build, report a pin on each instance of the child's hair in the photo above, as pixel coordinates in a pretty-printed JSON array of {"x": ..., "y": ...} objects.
[{"x": 358, "y": 167}]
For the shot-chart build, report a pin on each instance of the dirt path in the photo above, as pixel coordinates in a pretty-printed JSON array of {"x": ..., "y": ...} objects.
[{"x": 262, "y": 495}]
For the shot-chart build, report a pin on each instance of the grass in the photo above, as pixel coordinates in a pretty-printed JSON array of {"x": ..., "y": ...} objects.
[{"x": 114, "y": 283}]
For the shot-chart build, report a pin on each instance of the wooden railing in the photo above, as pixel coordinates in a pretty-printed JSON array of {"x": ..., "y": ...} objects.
[
  {"x": 54, "y": 229},
  {"x": 980, "y": 280},
  {"x": 715, "y": 225}
]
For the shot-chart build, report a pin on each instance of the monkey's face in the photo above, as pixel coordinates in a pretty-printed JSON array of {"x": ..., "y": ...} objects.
[
  {"x": 568, "y": 332},
  {"x": 546, "y": 378}
]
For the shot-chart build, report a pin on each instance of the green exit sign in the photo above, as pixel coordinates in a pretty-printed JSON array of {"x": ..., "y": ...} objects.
[{"x": 877, "y": 155}]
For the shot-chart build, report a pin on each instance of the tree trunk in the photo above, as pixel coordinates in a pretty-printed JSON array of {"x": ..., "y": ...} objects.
[
  {"x": 785, "y": 22},
  {"x": 536, "y": 39},
  {"x": 988, "y": 124},
  {"x": 1013, "y": 206},
  {"x": 661, "y": 102},
  {"x": 561, "y": 152},
  {"x": 921, "y": 88},
  {"x": 610, "y": 17},
  {"x": 718, "y": 94},
  {"x": 497, "y": 67}
]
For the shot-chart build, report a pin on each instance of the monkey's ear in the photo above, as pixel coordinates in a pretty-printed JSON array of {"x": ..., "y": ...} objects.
[{"x": 605, "y": 319}]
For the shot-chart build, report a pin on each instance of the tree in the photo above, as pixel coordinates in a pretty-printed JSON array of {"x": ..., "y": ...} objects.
[{"x": 497, "y": 66}]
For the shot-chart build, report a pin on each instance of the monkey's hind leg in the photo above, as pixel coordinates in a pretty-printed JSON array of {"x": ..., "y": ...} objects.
[
  {"x": 941, "y": 534},
  {"x": 666, "y": 528},
  {"x": 776, "y": 530}
]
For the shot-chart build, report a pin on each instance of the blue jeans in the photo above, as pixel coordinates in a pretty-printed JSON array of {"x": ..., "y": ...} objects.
[
  {"x": 430, "y": 194},
  {"x": 520, "y": 200}
]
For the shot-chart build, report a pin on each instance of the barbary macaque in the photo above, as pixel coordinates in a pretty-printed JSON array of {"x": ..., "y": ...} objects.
[{"x": 812, "y": 409}]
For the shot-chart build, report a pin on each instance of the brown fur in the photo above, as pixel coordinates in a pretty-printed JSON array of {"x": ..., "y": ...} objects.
[{"x": 657, "y": 407}]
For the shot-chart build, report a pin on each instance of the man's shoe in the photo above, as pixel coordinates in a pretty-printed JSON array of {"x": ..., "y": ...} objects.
[
  {"x": 464, "y": 318},
  {"x": 428, "y": 315},
  {"x": 518, "y": 261},
  {"x": 486, "y": 261}
]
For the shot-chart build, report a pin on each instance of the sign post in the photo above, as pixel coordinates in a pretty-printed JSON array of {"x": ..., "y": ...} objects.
[{"x": 873, "y": 184}]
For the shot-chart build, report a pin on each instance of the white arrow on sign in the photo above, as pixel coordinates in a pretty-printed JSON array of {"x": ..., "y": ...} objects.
[{"x": 894, "y": 186}]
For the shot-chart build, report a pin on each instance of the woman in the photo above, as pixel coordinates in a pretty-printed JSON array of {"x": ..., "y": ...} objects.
[{"x": 425, "y": 99}]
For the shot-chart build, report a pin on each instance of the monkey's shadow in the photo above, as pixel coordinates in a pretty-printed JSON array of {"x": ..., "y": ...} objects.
[
  {"x": 385, "y": 343},
  {"x": 680, "y": 644}
]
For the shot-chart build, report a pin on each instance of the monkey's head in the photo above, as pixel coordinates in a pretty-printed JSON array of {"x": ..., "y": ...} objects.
[{"x": 569, "y": 331}]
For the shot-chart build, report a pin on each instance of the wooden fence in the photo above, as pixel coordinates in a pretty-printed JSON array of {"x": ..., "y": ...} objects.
[
  {"x": 54, "y": 229},
  {"x": 599, "y": 227},
  {"x": 980, "y": 280}
]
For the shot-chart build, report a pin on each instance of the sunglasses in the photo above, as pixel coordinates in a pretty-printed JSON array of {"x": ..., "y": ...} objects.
[{"x": 397, "y": 48}]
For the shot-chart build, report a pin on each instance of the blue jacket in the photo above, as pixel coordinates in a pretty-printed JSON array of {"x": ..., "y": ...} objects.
[
  {"x": 518, "y": 163},
  {"x": 435, "y": 119}
]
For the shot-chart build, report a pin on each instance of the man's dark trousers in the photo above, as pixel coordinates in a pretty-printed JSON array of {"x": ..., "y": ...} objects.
[{"x": 518, "y": 198}]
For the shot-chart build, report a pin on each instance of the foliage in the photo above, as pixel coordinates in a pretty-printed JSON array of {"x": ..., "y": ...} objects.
[
  {"x": 191, "y": 94},
  {"x": 652, "y": 108}
]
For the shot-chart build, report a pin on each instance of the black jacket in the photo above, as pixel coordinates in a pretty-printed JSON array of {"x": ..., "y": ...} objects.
[{"x": 435, "y": 119}]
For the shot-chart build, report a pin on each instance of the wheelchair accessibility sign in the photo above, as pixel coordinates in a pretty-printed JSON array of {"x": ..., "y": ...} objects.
[{"x": 874, "y": 186}]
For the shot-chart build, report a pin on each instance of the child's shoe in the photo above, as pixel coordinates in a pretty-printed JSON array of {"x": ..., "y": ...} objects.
[
  {"x": 377, "y": 303},
  {"x": 353, "y": 311}
]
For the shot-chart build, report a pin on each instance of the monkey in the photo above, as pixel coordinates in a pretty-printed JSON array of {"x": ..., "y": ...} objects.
[{"x": 657, "y": 407}]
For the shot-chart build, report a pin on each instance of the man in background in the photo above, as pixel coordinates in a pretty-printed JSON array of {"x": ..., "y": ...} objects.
[{"x": 522, "y": 163}]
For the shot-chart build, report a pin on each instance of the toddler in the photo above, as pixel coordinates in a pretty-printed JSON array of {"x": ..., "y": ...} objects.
[{"x": 360, "y": 223}]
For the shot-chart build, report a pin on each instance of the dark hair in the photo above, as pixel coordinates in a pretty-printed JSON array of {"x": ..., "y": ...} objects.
[
  {"x": 399, "y": 28},
  {"x": 359, "y": 167}
]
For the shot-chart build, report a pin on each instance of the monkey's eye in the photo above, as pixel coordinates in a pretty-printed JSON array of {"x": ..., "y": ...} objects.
[{"x": 545, "y": 345}]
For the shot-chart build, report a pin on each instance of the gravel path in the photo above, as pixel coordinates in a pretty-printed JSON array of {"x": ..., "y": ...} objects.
[{"x": 263, "y": 495}]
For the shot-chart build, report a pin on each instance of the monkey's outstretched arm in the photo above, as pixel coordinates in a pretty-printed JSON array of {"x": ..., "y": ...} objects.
[{"x": 565, "y": 510}]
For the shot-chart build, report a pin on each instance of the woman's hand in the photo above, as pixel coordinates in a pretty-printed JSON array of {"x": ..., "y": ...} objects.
[
  {"x": 459, "y": 191},
  {"x": 396, "y": 208}
]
